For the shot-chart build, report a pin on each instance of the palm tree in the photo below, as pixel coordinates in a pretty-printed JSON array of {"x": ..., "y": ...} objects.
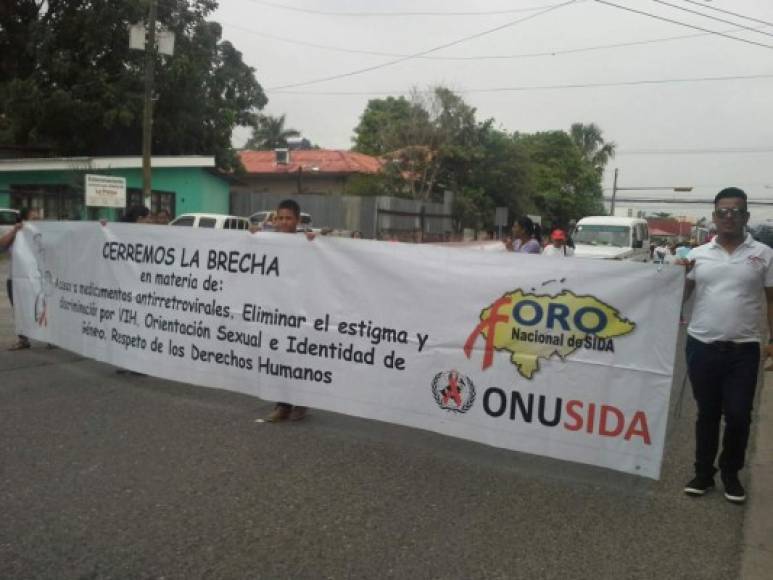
[
  {"x": 270, "y": 133},
  {"x": 592, "y": 145}
]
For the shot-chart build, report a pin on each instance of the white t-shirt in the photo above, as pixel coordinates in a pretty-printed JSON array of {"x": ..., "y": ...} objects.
[
  {"x": 729, "y": 291},
  {"x": 551, "y": 250},
  {"x": 660, "y": 254}
]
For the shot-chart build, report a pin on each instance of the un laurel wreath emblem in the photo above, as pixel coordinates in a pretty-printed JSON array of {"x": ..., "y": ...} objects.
[{"x": 453, "y": 391}]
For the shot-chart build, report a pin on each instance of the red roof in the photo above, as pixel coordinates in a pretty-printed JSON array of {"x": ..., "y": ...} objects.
[{"x": 318, "y": 161}]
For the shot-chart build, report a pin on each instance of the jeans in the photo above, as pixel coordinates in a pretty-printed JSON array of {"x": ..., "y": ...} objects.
[{"x": 724, "y": 378}]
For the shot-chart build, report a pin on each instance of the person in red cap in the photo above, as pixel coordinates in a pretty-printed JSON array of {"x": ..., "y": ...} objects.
[{"x": 557, "y": 246}]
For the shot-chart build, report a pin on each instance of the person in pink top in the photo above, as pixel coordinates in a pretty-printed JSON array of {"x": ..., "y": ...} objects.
[{"x": 526, "y": 237}]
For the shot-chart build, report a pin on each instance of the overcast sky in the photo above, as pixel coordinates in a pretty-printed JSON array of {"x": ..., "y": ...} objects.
[{"x": 725, "y": 114}]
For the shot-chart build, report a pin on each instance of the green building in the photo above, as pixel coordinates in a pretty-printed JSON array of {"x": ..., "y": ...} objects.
[{"x": 56, "y": 186}]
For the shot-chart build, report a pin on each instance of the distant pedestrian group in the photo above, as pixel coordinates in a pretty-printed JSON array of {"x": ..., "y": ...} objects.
[{"x": 527, "y": 239}]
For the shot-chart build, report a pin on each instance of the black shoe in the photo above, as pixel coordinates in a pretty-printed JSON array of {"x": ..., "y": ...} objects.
[
  {"x": 699, "y": 485},
  {"x": 734, "y": 491}
]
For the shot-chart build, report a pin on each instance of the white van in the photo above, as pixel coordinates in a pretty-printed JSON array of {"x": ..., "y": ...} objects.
[
  {"x": 211, "y": 220},
  {"x": 612, "y": 238}
]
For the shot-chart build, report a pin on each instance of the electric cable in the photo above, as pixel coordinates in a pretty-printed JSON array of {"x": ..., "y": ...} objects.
[
  {"x": 729, "y": 12},
  {"x": 704, "y": 15},
  {"x": 528, "y": 88},
  {"x": 424, "y": 52},
  {"x": 672, "y": 21},
  {"x": 397, "y": 14},
  {"x": 557, "y": 52}
]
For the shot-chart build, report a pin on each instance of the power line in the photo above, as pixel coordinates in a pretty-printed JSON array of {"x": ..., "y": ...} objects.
[
  {"x": 704, "y": 15},
  {"x": 398, "y": 14},
  {"x": 664, "y": 19},
  {"x": 540, "y": 87},
  {"x": 425, "y": 52},
  {"x": 702, "y": 151},
  {"x": 680, "y": 201},
  {"x": 729, "y": 12},
  {"x": 557, "y": 52}
]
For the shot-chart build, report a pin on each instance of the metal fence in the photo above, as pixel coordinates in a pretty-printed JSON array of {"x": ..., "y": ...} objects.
[{"x": 376, "y": 217}]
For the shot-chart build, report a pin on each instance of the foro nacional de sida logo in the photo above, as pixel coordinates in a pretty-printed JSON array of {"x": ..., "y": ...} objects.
[{"x": 539, "y": 326}]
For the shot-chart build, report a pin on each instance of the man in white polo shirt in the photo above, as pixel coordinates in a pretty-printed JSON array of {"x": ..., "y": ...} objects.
[{"x": 732, "y": 275}]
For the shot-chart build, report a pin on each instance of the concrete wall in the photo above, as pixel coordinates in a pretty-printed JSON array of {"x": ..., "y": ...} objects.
[
  {"x": 288, "y": 185},
  {"x": 373, "y": 216}
]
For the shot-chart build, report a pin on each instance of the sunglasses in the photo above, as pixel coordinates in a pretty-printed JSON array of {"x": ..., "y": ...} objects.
[{"x": 726, "y": 212}]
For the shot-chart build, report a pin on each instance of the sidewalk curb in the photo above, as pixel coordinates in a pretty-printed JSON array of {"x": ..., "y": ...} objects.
[{"x": 757, "y": 557}]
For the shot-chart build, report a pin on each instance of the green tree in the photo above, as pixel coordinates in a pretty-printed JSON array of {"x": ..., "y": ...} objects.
[
  {"x": 270, "y": 133},
  {"x": 425, "y": 140},
  {"x": 433, "y": 142},
  {"x": 590, "y": 141},
  {"x": 503, "y": 170},
  {"x": 69, "y": 82},
  {"x": 566, "y": 185},
  {"x": 384, "y": 124}
]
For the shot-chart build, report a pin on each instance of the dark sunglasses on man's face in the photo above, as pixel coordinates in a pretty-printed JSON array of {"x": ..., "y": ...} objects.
[{"x": 726, "y": 212}]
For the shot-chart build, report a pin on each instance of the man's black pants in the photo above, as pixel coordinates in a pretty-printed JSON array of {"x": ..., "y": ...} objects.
[{"x": 724, "y": 378}]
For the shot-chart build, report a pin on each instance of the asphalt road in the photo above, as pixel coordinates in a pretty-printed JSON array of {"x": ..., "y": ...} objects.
[{"x": 121, "y": 476}]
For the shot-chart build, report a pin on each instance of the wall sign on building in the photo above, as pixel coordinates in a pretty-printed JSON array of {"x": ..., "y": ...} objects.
[{"x": 105, "y": 191}]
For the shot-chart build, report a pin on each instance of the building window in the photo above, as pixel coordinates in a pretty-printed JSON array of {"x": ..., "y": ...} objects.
[
  {"x": 159, "y": 200},
  {"x": 53, "y": 202},
  {"x": 183, "y": 221}
]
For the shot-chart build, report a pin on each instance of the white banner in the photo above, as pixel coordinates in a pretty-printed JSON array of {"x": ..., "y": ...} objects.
[
  {"x": 570, "y": 358},
  {"x": 105, "y": 191}
]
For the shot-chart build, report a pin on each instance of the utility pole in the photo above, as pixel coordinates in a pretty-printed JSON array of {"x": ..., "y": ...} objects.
[
  {"x": 615, "y": 189},
  {"x": 147, "y": 115},
  {"x": 614, "y": 193}
]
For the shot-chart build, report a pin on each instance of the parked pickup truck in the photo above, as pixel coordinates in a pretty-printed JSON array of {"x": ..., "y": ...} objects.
[{"x": 211, "y": 220}]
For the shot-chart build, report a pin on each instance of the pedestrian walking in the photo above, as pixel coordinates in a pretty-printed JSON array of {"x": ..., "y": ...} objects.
[{"x": 730, "y": 275}]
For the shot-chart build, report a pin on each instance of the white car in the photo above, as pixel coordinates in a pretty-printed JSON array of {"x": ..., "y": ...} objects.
[
  {"x": 211, "y": 220},
  {"x": 8, "y": 219},
  {"x": 265, "y": 221},
  {"x": 612, "y": 238}
]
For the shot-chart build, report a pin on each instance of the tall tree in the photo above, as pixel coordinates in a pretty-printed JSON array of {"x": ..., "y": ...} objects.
[
  {"x": 589, "y": 139},
  {"x": 433, "y": 142},
  {"x": 383, "y": 125},
  {"x": 70, "y": 83},
  {"x": 270, "y": 133},
  {"x": 425, "y": 140},
  {"x": 566, "y": 185}
]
